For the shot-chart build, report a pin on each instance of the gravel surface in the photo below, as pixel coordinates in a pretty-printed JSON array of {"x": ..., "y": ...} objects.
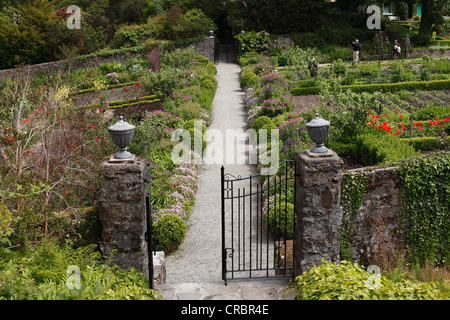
[{"x": 198, "y": 260}]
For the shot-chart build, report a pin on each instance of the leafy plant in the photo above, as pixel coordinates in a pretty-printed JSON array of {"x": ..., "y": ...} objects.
[
  {"x": 426, "y": 181},
  {"x": 170, "y": 231},
  {"x": 353, "y": 189},
  {"x": 253, "y": 41},
  {"x": 349, "y": 281}
]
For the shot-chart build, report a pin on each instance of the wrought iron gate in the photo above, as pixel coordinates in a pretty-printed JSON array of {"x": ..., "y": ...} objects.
[{"x": 258, "y": 223}]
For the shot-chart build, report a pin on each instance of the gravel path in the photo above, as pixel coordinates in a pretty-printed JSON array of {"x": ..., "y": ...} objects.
[{"x": 199, "y": 257}]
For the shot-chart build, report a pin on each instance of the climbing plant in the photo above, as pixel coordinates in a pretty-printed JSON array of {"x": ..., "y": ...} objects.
[
  {"x": 353, "y": 189},
  {"x": 425, "y": 218}
]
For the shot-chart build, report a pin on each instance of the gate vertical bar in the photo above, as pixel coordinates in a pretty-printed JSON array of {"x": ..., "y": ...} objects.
[
  {"x": 149, "y": 230},
  {"x": 224, "y": 254}
]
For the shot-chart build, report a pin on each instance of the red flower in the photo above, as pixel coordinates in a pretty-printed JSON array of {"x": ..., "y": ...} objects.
[{"x": 137, "y": 85}]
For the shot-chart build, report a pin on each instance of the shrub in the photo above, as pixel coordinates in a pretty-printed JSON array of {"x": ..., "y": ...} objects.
[
  {"x": 294, "y": 136},
  {"x": 349, "y": 281},
  {"x": 130, "y": 36},
  {"x": 276, "y": 106},
  {"x": 385, "y": 87},
  {"x": 376, "y": 149},
  {"x": 190, "y": 110},
  {"x": 202, "y": 59},
  {"x": 170, "y": 231},
  {"x": 260, "y": 122},
  {"x": 272, "y": 78},
  {"x": 41, "y": 272},
  {"x": 197, "y": 138},
  {"x": 253, "y": 41},
  {"x": 161, "y": 83},
  {"x": 178, "y": 58},
  {"x": 211, "y": 68},
  {"x": 174, "y": 25},
  {"x": 246, "y": 78},
  {"x": 208, "y": 91},
  {"x": 424, "y": 219},
  {"x": 280, "y": 219},
  {"x": 425, "y": 143}
]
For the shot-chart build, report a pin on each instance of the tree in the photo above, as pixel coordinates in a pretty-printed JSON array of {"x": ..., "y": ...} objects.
[
  {"x": 23, "y": 33},
  {"x": 432, "y": 11}
]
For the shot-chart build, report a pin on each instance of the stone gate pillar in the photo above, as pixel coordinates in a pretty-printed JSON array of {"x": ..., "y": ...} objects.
[
  {"x": 318, "y": 210},
  {"x": 121, "y": 212}
]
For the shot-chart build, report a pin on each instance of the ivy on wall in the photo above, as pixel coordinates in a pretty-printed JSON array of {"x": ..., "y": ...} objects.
[
  {"x": 353, "y": 189},
  {"x": 425, "y": 218}
]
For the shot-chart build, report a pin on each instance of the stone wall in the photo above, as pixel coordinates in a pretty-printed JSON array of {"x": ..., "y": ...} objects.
[
  {"x": 376, "y": 220},
  {"x": 319, "y": 214},
  {"x": 122, "y": 213},
  {"x": 204, "y": 47}
]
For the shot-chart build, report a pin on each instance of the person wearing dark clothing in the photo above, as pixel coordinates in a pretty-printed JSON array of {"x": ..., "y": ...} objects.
[{"x": 356, "y": 49}]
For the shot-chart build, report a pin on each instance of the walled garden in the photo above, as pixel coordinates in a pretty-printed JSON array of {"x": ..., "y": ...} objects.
[
  {"x": 389, "y": 114},
  {"x": 384, "y": 115}
]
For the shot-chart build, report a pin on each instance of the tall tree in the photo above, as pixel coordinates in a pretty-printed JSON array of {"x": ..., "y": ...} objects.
[
  {"x": 432, "y": 11},
  {"x": 23, "y": 34}
]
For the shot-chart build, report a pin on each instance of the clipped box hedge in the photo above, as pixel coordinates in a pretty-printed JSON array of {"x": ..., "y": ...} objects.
[
  {"x": 373, "y": 149},
  {"x": 126, "y": 103},
  {"x": 425, "y": 143},
  {"x": 384, "y": 87}
]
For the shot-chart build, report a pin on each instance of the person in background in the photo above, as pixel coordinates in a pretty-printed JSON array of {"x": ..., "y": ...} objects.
[
  {"x": 397, "y": 50},
  {"x": 356, "y": 49}
]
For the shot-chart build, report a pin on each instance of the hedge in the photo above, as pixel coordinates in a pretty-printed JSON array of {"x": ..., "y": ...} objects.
[
  {"x": 425, "y": 143},
  {"x": 385, "y": 87},
  {"x": 126, "y": 103},
  {"x": 373, "y": 149}
]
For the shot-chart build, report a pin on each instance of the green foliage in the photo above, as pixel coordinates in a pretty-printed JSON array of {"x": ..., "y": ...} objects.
[
  {"x": 349, "y": 281},
  {"x": 245, "y": 79},
  {"x": 161, "y": 83},
  {"x": 131, "y": 35},
  {"x": 25, "y": 40},
  {"x": 280, "y": 219},
  {"x": 425, "y": 216},
  {"x": 6, "y": 231},
  {"x": 425, "y": 143},
  {"x": 385, "y": 87},
  {"x": 261, "y": 122},
  {"x": 42, "y": 273},
  {"x": 170, "y": 231},
  {"x": 353, "y": 189},
  {"x": 190, "y": 110},
  {"x": 155, "y": 126},
  {"x": 178, "y": 58},
  {"x": 174, "y": 25},
  {"x": 339, "y": 68},
  {"x": 253, "y": 41},
  {"x": 372, "y": 150},
  {"x": 208, "y": 85}
]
